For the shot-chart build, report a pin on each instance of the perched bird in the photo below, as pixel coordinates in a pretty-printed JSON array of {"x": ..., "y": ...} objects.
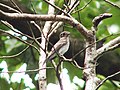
[{"x": 61, "y": 47}]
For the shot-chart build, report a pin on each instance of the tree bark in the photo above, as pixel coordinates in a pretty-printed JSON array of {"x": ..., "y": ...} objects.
[
  {"x": 90, "y": 64},
  {"x": 44, "y": 43}
]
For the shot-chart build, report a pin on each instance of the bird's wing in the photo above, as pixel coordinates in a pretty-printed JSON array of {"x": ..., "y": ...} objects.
[
  {"x": 58, "y": 45},
  {"x": 55, "y": 50}
]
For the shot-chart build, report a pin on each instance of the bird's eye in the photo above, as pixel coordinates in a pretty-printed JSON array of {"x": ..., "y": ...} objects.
[{"x": 63, "y": 34}]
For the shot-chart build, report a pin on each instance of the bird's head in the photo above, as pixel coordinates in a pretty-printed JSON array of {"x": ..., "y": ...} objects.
[{"x": 64, "y": 34}]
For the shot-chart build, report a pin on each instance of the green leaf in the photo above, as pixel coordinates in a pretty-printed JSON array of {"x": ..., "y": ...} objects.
[
  {"x": 14, "y": 64},
  {"x": 18, "y": 86},
  {"x": 4, "y": 85},
  {"x": 51, "y": 75}
]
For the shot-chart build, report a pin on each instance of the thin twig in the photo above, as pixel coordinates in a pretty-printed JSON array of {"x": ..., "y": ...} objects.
[
  {"x": 113, "y": 44},
  {"x": 32, "y": 6},
  {"x": 28, "y": 23},
  {"x": 54, "y": 27},
  {"x": 37, "y": 26},
  {"x": 15, "y": 5},
  {"x": 93, "y": 44},
  {"x": 13, "y": 29},
  {"x": 18, "y": 54},
  {"x": 9, "y": 8},
  {"x": 83, "y": 7},
  {"x": 27, "y": 71},
  {"x": 54, "y": 64},
  {"x": 108, "y": 77},
  {"x": 30, "y": 44},
  {"x": 57, "y": 8},
  {"x": 56, "y": 68},
  {"x": 99, "y": 18},
  {"x": 14, "y": 10},
  {"x": 73, "y": 62},
  {"x": 34, "y": 36},
  {"x": 79, "y": 16},
  {"x": 113, "y": 4},
  {"x": 58, "y": 75},
  {"x": 57, "y": 24},
  {"x": 76, "y": 3},
  {"x": 76, "y": 65}
]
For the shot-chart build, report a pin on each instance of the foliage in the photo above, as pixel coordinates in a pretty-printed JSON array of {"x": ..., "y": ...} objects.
[{"x": 11, "y": 46}]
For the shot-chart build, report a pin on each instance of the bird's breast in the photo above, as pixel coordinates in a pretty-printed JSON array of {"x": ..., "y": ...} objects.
[{"x": 65, "y": 48}]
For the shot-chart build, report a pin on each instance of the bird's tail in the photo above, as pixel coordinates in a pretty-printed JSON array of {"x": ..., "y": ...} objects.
[
  {"x": 49, "y": 58},
  {"x": 46, "y": 60}
]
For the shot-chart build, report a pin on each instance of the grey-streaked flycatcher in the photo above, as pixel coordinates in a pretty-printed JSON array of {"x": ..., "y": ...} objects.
[{"x": 61, "y": 47}]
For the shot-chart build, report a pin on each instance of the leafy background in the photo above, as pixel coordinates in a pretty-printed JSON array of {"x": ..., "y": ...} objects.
[{"x": 11, "y": 46}]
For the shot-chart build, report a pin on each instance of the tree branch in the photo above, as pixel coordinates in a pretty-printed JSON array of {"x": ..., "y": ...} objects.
[
  {"x": 110, "y": 76},
  {"x": 111, "y": 3},
  {"x": 109, "y": 46},
  {"x": 12, "y": 10},
  {"x": 58, "y": 75},
  {"x": 83, "y": 7},
  {"x": 44, "y": 43},
  {"x": 7, "y": 24},
  {"x": 90, "y": 56},
  {"x": 57, "y": 24},
  {"x": 57, "y": 7},
  {"x": 27, "y": 71},
  {"x": 15, "y": 5},
  {"x": 99, "y": 18},
  {"x": 30, "y": 44},
  {"x": 35, "y": 17},
  {"x": 9, "y": 8},
  {"x": 31, "y": 17},
  {"x": 13, "y": 56}
]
